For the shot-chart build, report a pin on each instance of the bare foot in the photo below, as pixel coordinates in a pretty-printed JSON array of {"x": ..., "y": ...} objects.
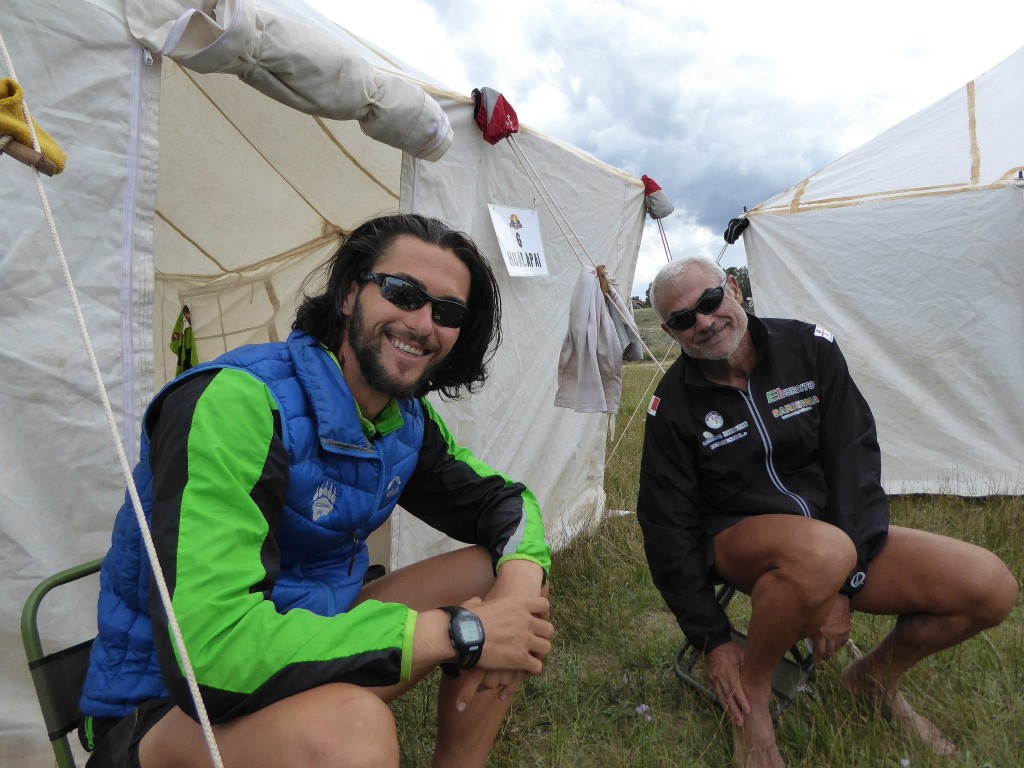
[
  {"x": 894, "y": 706},
  {"x": 754, "y": 744}
]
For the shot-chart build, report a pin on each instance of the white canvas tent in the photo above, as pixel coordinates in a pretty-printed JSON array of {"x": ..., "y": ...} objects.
[
  {"x": 183, "y": 187},
  {"x": 911, "y": 250}
]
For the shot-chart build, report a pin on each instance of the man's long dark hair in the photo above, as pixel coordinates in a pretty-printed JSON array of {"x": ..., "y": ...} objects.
[{"x": 465, "y": 367}]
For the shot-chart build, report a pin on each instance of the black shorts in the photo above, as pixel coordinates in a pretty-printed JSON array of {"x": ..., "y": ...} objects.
[
  {"x": 116, "y": 742},
  {"x": 709, "y": 561}
]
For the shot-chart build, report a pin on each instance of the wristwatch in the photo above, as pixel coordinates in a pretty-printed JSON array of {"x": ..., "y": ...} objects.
[{"x": 467, "y": 636}]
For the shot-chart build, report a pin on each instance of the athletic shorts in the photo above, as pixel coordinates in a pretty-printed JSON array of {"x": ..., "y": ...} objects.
[
  {"x": 116, "y": 742},
  {"x": 709, "y": 561}
]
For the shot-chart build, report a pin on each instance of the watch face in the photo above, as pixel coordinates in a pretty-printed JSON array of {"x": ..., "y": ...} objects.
[{"x": 470, "y": 631}]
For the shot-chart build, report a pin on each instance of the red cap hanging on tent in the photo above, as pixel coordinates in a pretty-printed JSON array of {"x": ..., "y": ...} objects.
[
  {"x": 657, "y": 202},
  {"x": 494, "y": 115}
]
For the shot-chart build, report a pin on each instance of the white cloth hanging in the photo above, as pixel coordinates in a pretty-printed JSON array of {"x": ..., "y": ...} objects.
[{"x": 601, "y": 335}]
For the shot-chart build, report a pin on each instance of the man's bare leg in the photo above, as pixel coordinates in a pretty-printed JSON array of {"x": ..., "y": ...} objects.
[
  {"x": 792, "y": 567},
  {"x": 332, "y": 725},
  {"x": 465, "y": 738},
  {"x": 341, "y": 725},
  {"x": 943, "y": 591}
]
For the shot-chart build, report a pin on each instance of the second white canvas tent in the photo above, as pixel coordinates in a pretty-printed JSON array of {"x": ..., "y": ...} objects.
[
  {"x": 194, "y": 188},
  {"x": 911, "y": 250}
]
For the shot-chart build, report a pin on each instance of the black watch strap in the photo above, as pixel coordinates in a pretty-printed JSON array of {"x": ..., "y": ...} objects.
[{"x": 466, "y": 633}]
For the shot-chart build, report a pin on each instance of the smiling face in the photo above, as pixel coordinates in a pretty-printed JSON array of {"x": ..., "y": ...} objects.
[
  {"x": 715, "y": 336},
  {"x": 390, "y": 352}
]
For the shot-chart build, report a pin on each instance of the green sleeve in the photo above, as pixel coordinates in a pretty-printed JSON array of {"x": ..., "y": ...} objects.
[
  {"x": 220, "y": 472},
  {"x": 458, "y": 494}
]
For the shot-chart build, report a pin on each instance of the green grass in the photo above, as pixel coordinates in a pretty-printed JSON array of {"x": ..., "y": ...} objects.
[
  {"x": 616, "y": 642},
  {"x": 659, "y": 342}
]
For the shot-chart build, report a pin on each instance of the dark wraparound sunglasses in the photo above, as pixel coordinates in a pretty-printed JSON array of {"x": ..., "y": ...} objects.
[
  {"x": 410, "y": 297},
  {"x": 709, "y": 301}
]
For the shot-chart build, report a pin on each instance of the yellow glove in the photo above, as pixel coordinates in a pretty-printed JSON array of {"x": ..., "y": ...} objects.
[{"x": 12, "y": 123}]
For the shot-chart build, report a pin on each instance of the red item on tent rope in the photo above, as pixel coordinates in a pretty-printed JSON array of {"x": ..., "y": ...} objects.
[
  {"x": 657, "y": 202},
  {"x": 494, "y": 115},
  {"x": 650, "y": 185}
]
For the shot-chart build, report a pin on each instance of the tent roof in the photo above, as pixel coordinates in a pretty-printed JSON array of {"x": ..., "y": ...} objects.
[
  {"x": 967, "y": 141},
  {"x": 908, "y": 250}
]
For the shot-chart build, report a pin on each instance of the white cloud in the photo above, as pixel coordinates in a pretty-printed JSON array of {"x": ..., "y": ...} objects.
[{"x": 723, "y": 104}]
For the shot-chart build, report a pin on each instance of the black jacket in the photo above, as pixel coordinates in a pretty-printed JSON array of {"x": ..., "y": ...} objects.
[{"x": 800, "y": 441}]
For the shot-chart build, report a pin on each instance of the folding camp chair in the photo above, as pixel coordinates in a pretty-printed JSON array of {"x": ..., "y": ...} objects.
[
  {"x": 58, "y": 676},
  {"x": 793, "y": 675}
]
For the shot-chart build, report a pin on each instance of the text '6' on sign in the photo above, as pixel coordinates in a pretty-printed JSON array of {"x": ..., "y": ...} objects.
[{"x": 518, "y": 232}]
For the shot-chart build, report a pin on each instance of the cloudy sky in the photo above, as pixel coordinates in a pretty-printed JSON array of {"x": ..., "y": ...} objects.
[{"x": 723, "y": 104}]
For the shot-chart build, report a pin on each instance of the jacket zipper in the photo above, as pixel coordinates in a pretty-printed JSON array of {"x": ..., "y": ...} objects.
[
  {"x": 364, "y": 450},
  {"x": 763, "y": 432}
]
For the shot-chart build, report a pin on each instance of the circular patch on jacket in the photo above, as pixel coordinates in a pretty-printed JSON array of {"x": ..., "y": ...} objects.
[{"x": 714, "y": 419}]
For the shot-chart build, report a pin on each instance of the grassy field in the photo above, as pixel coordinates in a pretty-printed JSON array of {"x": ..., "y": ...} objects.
[{"x": 609, "y": 696}]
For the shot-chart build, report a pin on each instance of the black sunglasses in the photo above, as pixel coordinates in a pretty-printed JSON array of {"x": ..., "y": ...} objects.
[
  {"x": 410, "y": 297},
  {"x": 709, "y": 301}
]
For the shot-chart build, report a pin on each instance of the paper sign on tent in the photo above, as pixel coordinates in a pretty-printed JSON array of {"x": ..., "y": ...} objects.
[{"x": 518, "y": 233}]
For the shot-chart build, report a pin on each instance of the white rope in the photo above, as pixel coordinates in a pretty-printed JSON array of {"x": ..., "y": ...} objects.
[
  {"x": 563, "y": 224},
  {"x": 570, "y": 234},
  {"x": 661, "y": 366},
  {"x": 558, "y": 215},
  {"x": 644, "y": 395},
  {"x": 118, "y": 442},
  {"x": 664, "y": 240},
  {"x": 639, "y": 403},
  {"x": 561, "y": 220}
]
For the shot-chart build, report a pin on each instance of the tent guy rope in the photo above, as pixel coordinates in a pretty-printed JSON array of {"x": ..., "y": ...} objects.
[
  {"x": 563, "y": 223},
  {"x": 639, "y": 404},
  {"x": 664, "y": 241},
  {"x": 118, "y": 442}
]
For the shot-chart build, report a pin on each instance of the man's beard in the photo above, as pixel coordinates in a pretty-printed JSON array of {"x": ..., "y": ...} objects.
[
  {"x": 371, "y": 363},
  {"x": 738, "y": 329}
]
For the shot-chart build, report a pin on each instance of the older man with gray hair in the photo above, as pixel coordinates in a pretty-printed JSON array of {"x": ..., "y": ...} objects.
[{"x": 761, "y": 468}]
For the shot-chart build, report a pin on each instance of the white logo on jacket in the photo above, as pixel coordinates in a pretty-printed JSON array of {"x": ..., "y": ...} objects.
[
  {"x": 823, "y": 332},
  {"x": 730, "y": 435},
  {"x": 714, "y": 419},
  {"x": 323, "y": 501},
  {"x": 394, "y": 486}
]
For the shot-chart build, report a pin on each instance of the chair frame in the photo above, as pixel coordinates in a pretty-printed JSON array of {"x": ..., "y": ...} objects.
[
  {"x": 793, "y": 675},
  {"x": 58, "y": 676}
]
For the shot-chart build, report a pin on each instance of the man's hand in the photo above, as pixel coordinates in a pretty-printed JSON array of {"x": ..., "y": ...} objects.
[
  {"x": 470, "y": 682},
  {"x": 517, "y": 637},
  {"x": 521, "y": 582},
  {"x": 835, "y": 631},
  {"x": 723, "y": 665}
]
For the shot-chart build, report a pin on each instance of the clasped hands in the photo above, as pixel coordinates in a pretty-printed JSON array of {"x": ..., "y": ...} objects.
[{"x": 517, "y": 638}]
